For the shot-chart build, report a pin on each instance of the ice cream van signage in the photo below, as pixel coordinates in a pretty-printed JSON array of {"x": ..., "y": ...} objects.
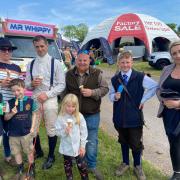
[{"x": 29, "y": 28}]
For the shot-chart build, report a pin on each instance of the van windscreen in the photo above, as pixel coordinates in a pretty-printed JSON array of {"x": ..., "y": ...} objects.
[{"x": 26, "y": 48}]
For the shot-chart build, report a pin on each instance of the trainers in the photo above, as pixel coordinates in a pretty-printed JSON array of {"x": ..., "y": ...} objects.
[
  {"x": 123, "y": 167},
  {"x": 98, "y": 175},
  {"x": 176, "y": 176},
  {"x": 139, "y": 173}
]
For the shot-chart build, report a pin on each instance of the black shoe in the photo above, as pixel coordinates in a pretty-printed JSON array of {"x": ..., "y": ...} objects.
[
  {"x": 176, "y": 176},
  {"x": 48, "y": 163},
  {"x": 38, "y": 155}
]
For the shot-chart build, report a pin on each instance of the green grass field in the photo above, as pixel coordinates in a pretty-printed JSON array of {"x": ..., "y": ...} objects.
[
  {"x": 138, "y": 65},
  {"x": 108, "y": 158}
]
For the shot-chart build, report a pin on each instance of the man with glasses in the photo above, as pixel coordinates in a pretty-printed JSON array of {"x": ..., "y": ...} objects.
[
  {"x": 8, "y": 71},
  {"x": 89, "y": 85},
  {"x": 47, "y": 80}
]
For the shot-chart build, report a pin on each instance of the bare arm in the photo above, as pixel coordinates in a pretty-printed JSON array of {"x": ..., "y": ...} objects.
[
  {"x": 9, "y": 115},
  {"x": 34, "y": 114}
]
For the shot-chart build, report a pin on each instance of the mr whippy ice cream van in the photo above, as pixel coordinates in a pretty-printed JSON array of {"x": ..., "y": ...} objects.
[{"x": 21, "y": 34}]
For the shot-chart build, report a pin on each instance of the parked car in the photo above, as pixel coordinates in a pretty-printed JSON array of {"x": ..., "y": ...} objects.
[{"x": 159, "y": 59}]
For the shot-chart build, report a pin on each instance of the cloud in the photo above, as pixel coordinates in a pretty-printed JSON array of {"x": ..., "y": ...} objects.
[
  {"x": 84, "y": 6},
  {"x": 25, "y": 11},
  {"x": 65, "y": 18}
]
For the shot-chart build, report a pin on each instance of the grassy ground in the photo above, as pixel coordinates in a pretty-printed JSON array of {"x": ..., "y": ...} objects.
[
  {"x": 138, "y": 65},
  {"x": 108, "y": 159}
]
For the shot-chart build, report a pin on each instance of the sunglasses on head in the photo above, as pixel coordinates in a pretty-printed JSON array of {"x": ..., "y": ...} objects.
[
  {"x": 83, "y": 52},
  {"x": 4, "y": 49}
]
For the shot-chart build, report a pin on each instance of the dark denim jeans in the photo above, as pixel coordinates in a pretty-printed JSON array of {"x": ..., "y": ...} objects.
[
  {"x": 7, "y": 150},
  {"x": 92, "y": 122}
]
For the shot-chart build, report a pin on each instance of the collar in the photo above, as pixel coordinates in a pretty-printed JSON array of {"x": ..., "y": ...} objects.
[
  {"x": 44, "y": 58},
  {"x": 77, "y": 72},
  {"x": 127, "y": 73}
]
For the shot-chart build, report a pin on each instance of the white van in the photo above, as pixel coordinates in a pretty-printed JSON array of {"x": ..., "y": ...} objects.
[{"x": 21, "y": 34}]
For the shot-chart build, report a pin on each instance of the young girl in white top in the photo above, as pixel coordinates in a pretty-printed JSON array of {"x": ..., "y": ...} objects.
[{"x": 71, "y": 127}]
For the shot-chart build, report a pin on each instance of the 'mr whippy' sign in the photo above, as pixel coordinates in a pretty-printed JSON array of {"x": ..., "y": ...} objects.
[{"x": 28, "y": 28}]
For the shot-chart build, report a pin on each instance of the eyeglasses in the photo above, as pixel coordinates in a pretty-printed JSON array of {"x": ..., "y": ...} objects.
[
  {"x": 4, "y": 50},
  {"x": 83, "y": 52}
]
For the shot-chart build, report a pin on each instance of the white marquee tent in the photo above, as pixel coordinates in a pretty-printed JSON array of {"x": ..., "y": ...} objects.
[{"x": 141, "y": 26}]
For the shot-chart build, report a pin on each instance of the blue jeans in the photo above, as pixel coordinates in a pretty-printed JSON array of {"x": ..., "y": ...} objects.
[{"x": 92, "y": 122}]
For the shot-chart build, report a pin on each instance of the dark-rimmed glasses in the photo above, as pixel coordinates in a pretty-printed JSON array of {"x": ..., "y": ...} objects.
[{"x": 4, "y": 50}]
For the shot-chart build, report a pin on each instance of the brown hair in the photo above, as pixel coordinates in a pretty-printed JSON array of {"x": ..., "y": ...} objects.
[
  {"x": 39, "y": 38},
  {"x": 124, "y": 54},
  {"x": 17, "y": 82}
]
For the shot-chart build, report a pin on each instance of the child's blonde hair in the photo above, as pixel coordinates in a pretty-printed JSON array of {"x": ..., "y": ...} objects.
[{"x": 70, "y": 98}]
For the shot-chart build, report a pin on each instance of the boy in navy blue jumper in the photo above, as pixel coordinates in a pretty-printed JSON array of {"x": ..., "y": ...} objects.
[
  {"x": 21, "y": 112},
  {"x": 127, "y": 110}
]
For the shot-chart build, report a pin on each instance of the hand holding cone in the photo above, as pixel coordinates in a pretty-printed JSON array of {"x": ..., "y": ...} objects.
[{"x": 16, "y": 102}]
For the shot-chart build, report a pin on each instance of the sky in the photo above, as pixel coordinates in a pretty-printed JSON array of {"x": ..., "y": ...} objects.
[{"x": 93, "y": 12}]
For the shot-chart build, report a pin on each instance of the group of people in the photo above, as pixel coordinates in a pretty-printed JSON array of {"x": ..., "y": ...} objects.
[
  {"x": 77, "y": 123},
  {"x": 69, "y": 56}
]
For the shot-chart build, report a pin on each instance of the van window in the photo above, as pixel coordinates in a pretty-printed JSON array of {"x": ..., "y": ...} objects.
[{"x": 26, "y": 48}]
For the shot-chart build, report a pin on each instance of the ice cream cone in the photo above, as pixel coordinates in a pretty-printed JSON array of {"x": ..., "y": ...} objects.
[
  {"x": 69, "y": 123},
  {"x": 81, "y": 87},
  {"x": 40, "y": 77}
]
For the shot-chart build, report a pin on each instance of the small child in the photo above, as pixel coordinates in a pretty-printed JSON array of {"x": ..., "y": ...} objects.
[
  {"x": 71, "y": 127},
  {"x": 21, "y": 112}
]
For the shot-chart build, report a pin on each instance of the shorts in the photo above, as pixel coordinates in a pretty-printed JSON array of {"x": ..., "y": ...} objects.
[
  {"x": 132, "y": 137},
  {"x": 21, "y": 143}
]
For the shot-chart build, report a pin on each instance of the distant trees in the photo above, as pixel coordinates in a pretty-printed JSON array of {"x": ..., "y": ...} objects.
[
  {"x": 174, "y": 27},
  {"x": 75, "y": 32}
]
